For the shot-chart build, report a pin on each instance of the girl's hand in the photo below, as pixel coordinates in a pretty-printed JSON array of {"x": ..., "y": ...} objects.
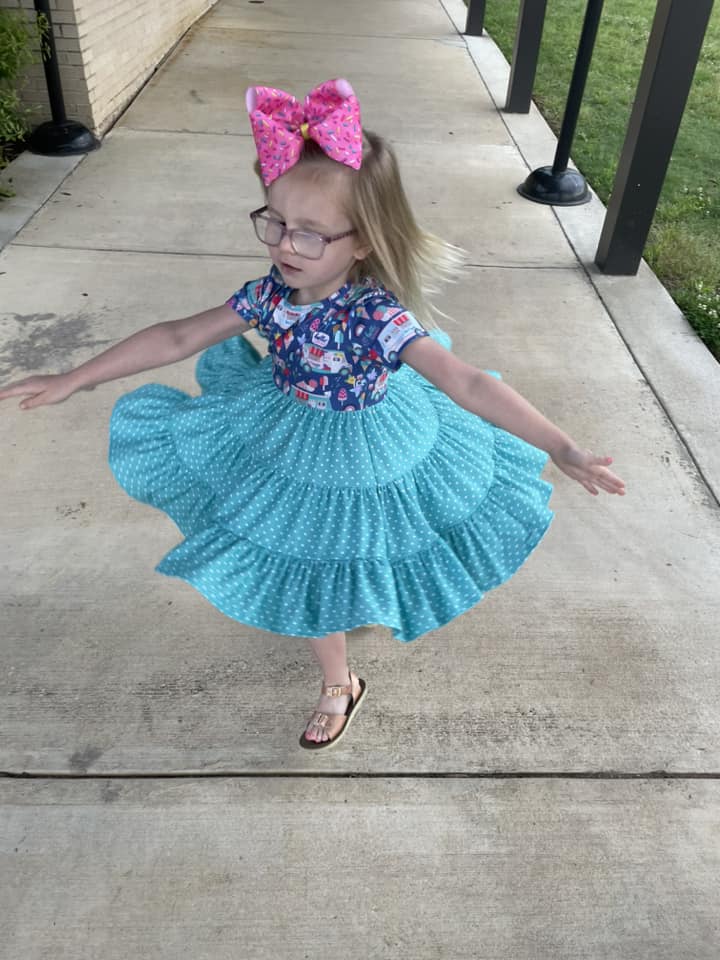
[
  {"x": 591, "y": 471},
  {"x": 52, "y": 388}
]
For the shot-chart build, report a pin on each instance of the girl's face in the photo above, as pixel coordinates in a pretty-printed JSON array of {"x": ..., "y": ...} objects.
[{"x": 310, "y": 197}]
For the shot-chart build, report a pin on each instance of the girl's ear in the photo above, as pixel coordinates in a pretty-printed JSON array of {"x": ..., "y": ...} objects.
[{"x": 361, "y": 252}]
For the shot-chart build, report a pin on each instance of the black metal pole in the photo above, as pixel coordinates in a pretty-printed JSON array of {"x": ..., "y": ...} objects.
[
  {"x": 559, "y": 185},
  {"x": 52, "y": 71},
  {"x": 528, "y": 36},
  {"x": 59, "y": 137},
  {"x": 475, "y": 18},
  {"x": 577, "y": 84},
  {"x": 672, "y": 55}
]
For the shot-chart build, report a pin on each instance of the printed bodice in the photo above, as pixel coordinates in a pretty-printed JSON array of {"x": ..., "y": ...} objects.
[{"x": 334, "y": 354}]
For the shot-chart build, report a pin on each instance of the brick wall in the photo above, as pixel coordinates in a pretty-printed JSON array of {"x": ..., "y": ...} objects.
[{"x": 106, "y": 51}]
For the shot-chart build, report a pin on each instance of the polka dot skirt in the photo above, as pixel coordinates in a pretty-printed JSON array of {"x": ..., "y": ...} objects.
[{"x": 304, "y": 522}]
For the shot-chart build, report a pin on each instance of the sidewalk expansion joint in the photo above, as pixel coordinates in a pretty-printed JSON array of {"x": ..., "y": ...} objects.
[
  {"x": 337, "y": 36},
  {"x": 370, "y": 775},
  {"x": 182, "y": 130},
  {"x": 140, "y": 252},
  {"x": 572, "y": 266},
  {"x": 488, "y": 265}
]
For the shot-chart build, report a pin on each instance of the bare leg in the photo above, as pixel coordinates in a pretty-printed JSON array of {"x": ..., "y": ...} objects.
[{"x": 331, "y": 653}]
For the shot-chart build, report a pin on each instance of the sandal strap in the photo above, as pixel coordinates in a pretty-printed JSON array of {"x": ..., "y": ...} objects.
[
  {"x": 331, "y": 723},
  {"x": 337, "y": 689}
]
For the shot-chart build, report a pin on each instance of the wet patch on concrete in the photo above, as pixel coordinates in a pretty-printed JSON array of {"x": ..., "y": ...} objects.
[
  {"x": 110, "y": 791},
  {"x": 81, "y": 760},
  {"x": 74, "y": 511},
  {"x": 43, "y": 341}
]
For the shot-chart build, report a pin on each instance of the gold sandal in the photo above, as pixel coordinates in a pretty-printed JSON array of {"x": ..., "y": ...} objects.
[{"x": 335, "y": 724}]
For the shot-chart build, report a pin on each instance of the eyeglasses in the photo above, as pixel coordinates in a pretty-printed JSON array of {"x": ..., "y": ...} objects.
[{"x": 305, "y": 243}]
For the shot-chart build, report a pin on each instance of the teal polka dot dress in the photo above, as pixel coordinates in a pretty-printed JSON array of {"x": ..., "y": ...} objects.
[{"x": 327, "y": 485}]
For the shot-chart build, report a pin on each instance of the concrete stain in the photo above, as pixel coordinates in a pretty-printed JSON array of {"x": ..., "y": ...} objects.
[
  {"x": 31, "y": 317},
  {"x": 47, "y": 341},
  {"x": 67, "y": 510},
  {"x": 228, "y": 675},
  {"x": 147, "y": 716},
  {"x": 110, "y": 791},
  {"x": 78, "y": 513},
  {"x": 81, "y": 760},
  {"x": 705, "y": 495}
]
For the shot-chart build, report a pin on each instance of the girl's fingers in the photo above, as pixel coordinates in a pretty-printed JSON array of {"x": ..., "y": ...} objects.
[
  {"x": 597, "y": 467},
  {"x": 613, "y": 485},
  {"x": 601, "y": 473},
  {"x": 14, "y": 390},
  {"x": 25, "y": 388},
  {"x": 591, "y": 478},
  {"x": 592, "y": 472},
  {"x": 39, "y": 399}
]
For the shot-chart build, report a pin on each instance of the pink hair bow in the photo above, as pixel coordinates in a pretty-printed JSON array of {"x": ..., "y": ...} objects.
[{"x": 280, "y": 124}]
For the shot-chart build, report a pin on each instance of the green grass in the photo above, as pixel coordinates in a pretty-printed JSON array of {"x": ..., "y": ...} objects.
[{"x": 684, "y": 244}]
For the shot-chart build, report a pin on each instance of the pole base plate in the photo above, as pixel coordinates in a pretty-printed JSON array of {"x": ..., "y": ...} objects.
[
  {"x": 61, "y": 139},
  {"x": 565, "y": 189}
]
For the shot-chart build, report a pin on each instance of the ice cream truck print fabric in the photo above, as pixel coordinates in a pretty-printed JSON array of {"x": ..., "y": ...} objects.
[
  {"x": 329, "y": 361},
  {"x": 335, "y": 354}
]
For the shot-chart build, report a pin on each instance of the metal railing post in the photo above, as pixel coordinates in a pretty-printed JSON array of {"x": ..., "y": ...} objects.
[
  {"x": 475, "y": 18},
  {"x": 673, "y": 51},
  {"x": 528, "y": 35}
]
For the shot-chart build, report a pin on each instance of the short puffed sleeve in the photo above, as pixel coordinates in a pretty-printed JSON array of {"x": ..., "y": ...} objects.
[
  {"x": 394, "y": 328},
  {"x": 256, "y": 301}
]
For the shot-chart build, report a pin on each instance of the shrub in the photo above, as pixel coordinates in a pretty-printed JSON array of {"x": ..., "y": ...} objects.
[{"x": 20, "y": 40}]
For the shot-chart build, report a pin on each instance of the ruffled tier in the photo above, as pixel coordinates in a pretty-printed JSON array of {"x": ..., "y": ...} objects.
[{"x": 305, "y": 522}]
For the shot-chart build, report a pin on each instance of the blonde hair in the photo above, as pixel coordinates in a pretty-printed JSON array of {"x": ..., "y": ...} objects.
[{"x": 405, "y": 259}]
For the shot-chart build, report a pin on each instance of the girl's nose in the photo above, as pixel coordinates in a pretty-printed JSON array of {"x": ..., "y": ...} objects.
[{"x": 285, "y": 245}]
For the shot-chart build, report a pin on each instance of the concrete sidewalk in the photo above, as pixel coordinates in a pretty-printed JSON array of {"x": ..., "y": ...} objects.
[{"x": 539, "y": 779}]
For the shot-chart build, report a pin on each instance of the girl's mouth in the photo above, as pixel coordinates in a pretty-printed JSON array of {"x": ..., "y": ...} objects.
[{"x": 289, "y": 267}]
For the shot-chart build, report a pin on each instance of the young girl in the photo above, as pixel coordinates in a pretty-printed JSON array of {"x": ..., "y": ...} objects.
[{"x": 360, "y": 473}]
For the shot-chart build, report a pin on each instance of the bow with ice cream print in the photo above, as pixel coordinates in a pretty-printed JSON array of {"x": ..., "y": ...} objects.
[{"x": 280, "y": 124}]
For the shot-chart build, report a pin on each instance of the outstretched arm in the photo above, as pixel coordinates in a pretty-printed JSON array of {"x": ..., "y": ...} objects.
[
  {"x": 152, "y": 347},
  {"x": 498, "y": 403}
]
